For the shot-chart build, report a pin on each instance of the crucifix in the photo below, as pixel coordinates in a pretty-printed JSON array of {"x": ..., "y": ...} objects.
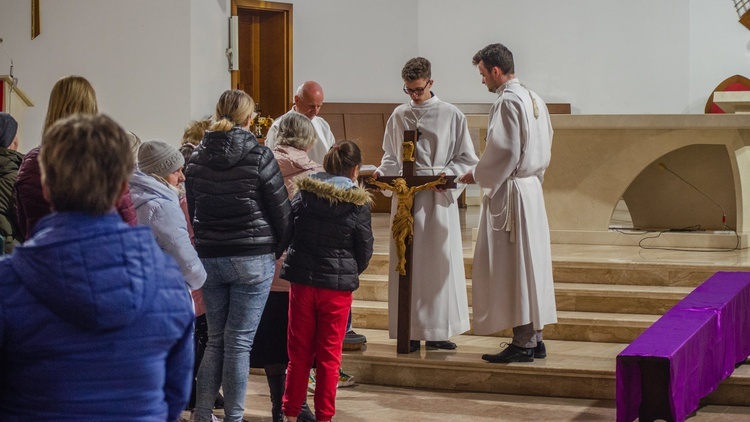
[{"x": 406, "y": 187}]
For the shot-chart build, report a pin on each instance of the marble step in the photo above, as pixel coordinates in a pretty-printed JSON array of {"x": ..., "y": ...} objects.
[
  {"x": 572, "y": 369},
  {"x": 568, "y": 269},
  {"x": 653, "y": 300},
  {"x": 572, "y": 326}
]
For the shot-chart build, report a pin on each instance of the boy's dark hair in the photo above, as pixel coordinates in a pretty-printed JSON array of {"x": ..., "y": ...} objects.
[{"x": 415, "y": 69}]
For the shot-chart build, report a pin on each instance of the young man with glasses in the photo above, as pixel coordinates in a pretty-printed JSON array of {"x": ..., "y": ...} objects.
[{"x": 439, "y": 301}]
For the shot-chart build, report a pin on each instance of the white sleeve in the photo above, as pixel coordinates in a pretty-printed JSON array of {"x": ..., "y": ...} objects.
[
  {"x": 169, "y": 226},
  {"x": 503, "y": 150},
  {"x": 390, "y": 164},
  {"x": 271, "y": 135}
]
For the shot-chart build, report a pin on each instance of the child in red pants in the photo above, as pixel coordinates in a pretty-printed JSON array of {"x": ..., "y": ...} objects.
[{"x": 332, "y": 245}]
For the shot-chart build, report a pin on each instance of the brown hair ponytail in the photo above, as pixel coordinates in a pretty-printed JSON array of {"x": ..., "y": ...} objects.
[{"x": 342, "y": 158}]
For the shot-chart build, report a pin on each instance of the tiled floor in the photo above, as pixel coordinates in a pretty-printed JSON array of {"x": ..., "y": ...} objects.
[{"x": 371, "y": 403}]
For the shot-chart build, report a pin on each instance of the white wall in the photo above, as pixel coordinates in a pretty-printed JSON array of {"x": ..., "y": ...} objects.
[
  {"x": 158, "y": 64},
  {"x": 355, "y": 48},
  {"x": 137, "y": 54},
  {"x": 600, "y": 56},
  {"x": 209, "y": 69}
]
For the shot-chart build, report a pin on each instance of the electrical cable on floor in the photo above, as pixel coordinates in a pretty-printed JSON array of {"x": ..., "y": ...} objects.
[{"x": 658, "y": 233}]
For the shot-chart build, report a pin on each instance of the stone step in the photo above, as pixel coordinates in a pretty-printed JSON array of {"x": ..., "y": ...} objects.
[
  {"x": 623, "y": 273},
  {"x": 572, "y": 369},
  {"x": 651, "y": 300},
  {"x": 572, "y": 326},
  {"x": 610, "y": 271}
]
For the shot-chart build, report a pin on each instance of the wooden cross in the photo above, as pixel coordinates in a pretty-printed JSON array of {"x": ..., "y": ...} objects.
[{"x": 409, "y": 184}]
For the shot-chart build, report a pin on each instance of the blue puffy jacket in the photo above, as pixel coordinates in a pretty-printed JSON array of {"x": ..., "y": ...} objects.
[{"x": 95, "y": 324}]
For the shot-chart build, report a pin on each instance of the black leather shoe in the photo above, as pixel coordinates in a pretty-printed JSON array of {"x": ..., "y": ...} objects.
[
  {"x": 540, "y": 351},
  {"x": 219, "y": 402},
  {"x": 512, "y": 353},
  {"x": 413, "y": 346},
  {"x": 305, "y": 414},
  {"x": 445, "y": 345}
]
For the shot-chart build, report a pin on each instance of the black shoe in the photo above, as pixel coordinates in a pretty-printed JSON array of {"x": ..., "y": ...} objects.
[
  {"x": 354, "y": 341},
  {"x": 512, "y": 353},
  {"x": 219, "y": 402},
  {"x": 413, "y": 346},
  {"x": 353, "y": 337},
  {"x": 305, "y": 414},
  {"x": 540, "y": 352},
  {"x": 445, "y": 345}
]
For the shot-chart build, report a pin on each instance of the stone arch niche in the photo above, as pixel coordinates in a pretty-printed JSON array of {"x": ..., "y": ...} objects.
[
  {"x": 599, "y": 159},
  {"x": 659, "y": 199}
]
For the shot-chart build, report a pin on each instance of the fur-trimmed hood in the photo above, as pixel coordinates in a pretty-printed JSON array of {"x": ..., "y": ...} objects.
[
  {"x": 333, "y": 240},
  {"x": 332, "y": 192}
]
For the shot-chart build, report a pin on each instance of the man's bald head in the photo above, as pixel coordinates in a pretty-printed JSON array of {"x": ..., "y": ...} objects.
[{"x": 309, "y": 99}]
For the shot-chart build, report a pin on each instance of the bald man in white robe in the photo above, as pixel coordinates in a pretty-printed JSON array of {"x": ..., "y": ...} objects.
[{"x": 308, "y": 100}]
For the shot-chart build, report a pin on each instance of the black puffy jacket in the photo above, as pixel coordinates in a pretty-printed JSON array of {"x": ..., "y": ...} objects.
[
  {"x": 332, "y": 242},
  {"x": 236, "y": 197}
]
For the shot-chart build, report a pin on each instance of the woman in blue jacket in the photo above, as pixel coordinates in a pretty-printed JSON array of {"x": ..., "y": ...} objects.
[{"x": 95, "y": 320}]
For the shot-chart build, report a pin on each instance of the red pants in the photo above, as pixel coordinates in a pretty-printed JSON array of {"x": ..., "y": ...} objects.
[{"x": 317, "y": 326}]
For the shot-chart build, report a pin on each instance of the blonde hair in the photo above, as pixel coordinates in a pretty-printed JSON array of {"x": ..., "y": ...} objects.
[
  {"x": 296, "y": 131},
  {"x": 194, "y": 131},
  {"x": 233, "y": 109},
  {"x": 70, "y": 95},
  {"x": 85, "y": 160}
]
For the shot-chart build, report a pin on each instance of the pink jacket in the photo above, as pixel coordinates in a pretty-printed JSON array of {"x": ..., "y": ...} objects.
[
  {"x": 200, "y": 307},
  {"x": 293, "y": 163}
]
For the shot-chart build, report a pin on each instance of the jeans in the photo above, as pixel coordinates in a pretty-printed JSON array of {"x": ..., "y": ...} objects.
[{"x": 235, "y": 294}]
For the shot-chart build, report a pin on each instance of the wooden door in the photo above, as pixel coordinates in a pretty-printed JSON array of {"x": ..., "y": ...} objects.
[{"x": 265, "y": 54}]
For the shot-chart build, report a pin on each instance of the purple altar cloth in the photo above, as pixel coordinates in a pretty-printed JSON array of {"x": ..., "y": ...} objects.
[{"x": 702, "y": 337}]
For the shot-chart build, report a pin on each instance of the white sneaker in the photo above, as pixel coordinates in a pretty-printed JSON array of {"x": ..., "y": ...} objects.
[
  {"x": 345, "y": 380},
  {"x": 311, "y": 382}
]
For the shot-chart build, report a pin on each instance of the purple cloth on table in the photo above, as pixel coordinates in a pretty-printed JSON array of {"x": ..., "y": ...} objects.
[{"x": 703, "y": 337}]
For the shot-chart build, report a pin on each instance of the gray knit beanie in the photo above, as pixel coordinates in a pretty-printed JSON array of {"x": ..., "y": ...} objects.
[
  {"x": 8, "y": 129},
  {"x": 159, "y": 158}
]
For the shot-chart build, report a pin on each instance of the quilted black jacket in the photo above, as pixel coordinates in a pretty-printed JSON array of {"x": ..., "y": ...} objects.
[
  {"x": 332, "y": 242},
  {"x": 236, "y": 197}
]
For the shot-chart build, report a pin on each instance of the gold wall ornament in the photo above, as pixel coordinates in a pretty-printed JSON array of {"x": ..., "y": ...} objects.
[
  {"x": 743, "y": 11},
  {"x": 36, "y": 19}
]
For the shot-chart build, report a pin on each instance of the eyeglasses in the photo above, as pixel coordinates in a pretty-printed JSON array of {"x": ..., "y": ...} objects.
[{"x": 418, "y": 91}]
